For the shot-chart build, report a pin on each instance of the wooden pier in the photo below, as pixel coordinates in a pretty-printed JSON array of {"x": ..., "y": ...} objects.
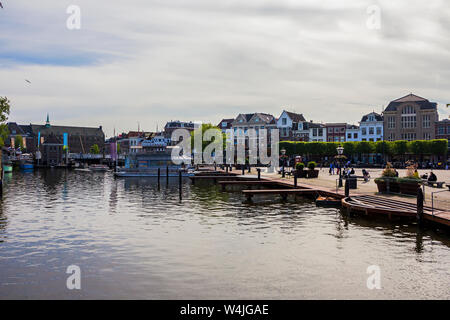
[
  {"x": 367, "y": 204},
  {"x": 282, "y": 192}
]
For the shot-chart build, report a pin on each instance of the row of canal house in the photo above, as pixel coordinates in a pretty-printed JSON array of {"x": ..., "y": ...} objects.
[{"x": 407, "y": 118}]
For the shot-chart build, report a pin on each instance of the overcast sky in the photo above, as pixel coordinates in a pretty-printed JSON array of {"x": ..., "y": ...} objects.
[{"x": 155, "y": 61}]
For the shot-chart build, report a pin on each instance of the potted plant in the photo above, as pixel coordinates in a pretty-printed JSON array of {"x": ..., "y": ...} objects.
[
  {"x": 411, "y": 183},
  {"x": 312, "y": 172},
  {"x": 300, "y": 173},
  {"x": 388, "y": 180}
]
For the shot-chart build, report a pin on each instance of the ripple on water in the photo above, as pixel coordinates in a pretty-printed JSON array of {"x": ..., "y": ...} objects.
[{"x": 132, "y": 239}]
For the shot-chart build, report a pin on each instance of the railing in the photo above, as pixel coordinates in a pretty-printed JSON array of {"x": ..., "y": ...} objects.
[{"x": 432, "y": 199}]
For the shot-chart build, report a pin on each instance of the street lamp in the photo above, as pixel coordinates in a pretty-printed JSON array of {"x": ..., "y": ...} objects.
[
  {"x": 283, "y": 152},
  {"x": 340, "y": 151}
]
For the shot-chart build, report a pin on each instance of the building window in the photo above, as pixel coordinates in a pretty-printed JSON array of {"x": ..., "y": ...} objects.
[
  {"x": 408, "y": 121},
  {"x": 355, "y": 135},
  {"x": 378, "y": 130},
  {"x": 363, "y": 131},
  {"x": 441, "y": 130},
  {"x": 321, "y": 131},
  {"x": 391, "y": 136},
  {"x": 408, "y": 110},
  {"x": 336, "y": 130},
  {"x": 426, "y": 123},
  {"x": 349, "y": 135},
  {"x": 409, "y": 136},
  {"x": 371, "y": 131},
  {"x": 426, "y": 136},
  {"x": 284, "y": 121},
  {"x": 391, "y": 122}
]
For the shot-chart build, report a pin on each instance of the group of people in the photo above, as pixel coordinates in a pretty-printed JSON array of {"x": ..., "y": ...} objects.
[{"x": 431, "y": 177}]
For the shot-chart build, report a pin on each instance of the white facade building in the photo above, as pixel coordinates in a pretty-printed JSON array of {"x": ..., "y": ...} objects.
[
  {"x": 352, "y": 133},
  {"x": 290, "y": 125},
  {"x": 371, "y": 127}
]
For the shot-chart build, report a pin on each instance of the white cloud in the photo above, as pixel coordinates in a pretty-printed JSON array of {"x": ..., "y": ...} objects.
[{"x": 153, "y": 61}]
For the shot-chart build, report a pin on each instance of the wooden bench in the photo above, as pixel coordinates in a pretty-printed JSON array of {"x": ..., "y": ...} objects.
[{"x": 439, "y": 184}]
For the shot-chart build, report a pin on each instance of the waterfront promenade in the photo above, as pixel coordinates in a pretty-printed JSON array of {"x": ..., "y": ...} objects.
[{"x": 325, "y": 180}]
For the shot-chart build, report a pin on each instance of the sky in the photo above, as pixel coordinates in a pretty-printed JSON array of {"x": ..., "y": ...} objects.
[{"x": 147, "y": 62}]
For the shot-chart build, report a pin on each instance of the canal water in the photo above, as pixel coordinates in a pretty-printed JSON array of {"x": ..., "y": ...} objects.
[{"x": 132, "y": 239}]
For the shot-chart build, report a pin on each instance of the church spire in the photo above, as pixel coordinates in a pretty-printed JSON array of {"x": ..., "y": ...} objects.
[{"x": 47, "y": 123}]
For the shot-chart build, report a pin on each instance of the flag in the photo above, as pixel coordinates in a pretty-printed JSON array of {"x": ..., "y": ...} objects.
[
  {"x": 39, "y": 138},
  {"x": 66, "y": 144}
]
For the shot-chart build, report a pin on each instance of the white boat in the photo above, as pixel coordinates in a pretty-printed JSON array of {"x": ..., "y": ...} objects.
[
  {"x": 99, "y": 167},
  {"x": 147, "y": 165}
]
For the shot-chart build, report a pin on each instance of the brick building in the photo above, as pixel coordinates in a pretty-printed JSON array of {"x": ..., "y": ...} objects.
[{"x": 410, "y": 118}]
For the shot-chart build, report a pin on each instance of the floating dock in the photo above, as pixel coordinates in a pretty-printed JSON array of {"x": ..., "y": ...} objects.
[{"x": 367, "y": 204}]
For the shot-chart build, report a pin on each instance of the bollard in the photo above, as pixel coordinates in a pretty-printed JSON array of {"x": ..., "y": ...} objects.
[
  {"x": 243, "y": 170},
  {"x": 347, "y": 188},
  {"x": 167, "y": 172},
  {"x": 249, "y": 169},
  {"x": 226, "y": 169},
  {"x": 159, "y": 174},
  {"x": 179, "y": 183},
  {"x": 295, "y": 180},
  {"x": 419, "y": 214},
  {"x": 259, "y": 173},
  {"x": 231, "y": 167}
]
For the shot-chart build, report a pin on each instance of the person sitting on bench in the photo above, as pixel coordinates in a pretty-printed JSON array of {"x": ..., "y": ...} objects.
[
  {"x": 366, "y": 175},
  {"x": 432, "y": 177}
]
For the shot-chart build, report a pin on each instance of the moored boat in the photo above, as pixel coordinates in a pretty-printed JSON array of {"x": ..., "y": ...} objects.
[
  {"x": 98, "y": 167},
  {"x": 26, "y": 166},
  {"x": 7, "y": 168}
]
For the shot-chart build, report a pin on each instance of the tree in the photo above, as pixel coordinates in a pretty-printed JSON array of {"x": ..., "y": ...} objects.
[
  {"x": 18, "y": 142},
  {"x": 439, "y": 146},
  {"x": 95, "y": 149},
  {"x": 205, "y": 143},
  {"x": 4, "y": 113}
]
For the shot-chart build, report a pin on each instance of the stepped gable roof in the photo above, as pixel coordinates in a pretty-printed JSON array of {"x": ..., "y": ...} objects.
[
  {"x": 296, "y": 117},
  {"x": 422, "y": 102},
  {"x": 378, "y": 117}
]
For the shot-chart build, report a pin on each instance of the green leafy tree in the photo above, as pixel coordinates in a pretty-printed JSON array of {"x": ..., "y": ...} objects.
[
  {"x": 4, "y": 113},
  {"x": 204, "y": 128},
  {"x": 349, "y": 148},
  {"x": 95, "y": 149},
  {"x": 18, "y": 142},
  {"x": 439, "y": 146}
]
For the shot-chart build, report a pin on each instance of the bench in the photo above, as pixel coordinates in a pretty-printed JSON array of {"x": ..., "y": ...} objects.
[{"x": 439, "y": 184}]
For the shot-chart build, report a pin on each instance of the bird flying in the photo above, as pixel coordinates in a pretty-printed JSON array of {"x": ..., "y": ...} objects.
[
  {"x": 1, "y": 6},
  {"x": 28, "y": 81}
]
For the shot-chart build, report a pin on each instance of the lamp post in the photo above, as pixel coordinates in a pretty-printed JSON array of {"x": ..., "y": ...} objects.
[
  {"x": 340, "y": 151},
  {"x": 283, "y": 153}
]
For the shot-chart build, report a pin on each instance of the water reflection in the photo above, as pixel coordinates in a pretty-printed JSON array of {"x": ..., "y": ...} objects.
[{"x": 134, "y": 239}]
